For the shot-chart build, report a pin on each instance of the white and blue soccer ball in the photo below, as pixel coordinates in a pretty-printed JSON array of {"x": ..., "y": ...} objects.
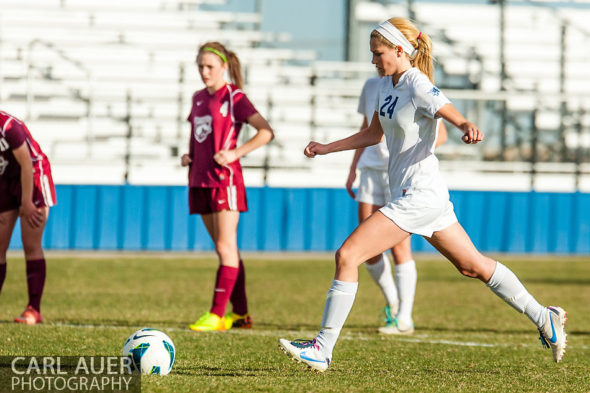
[{"x": 151, "y": 351}]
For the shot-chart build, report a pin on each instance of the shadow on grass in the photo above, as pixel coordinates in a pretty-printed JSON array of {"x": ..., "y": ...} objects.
[
  {"x": 557, "y": 280},
  {"x": 499, "y": 331},
  {"x": 371, "y": 328},
  {"x": 220, "y": 372},
  {"x": 578, "y": 332},
  {"x": 473, "y": 330},
  {"x": 304, "y": 328},
  {"x": 106, "y": 323},
  {"x": 468, "y": 370},
  {"x": 525, "y": 278},
  {"x": 276, "y": 326}
]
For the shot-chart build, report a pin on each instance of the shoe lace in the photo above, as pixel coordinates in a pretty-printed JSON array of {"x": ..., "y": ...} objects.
[
  {"x": 303, "y": 343},
  {"x": 544, "y": 342}
]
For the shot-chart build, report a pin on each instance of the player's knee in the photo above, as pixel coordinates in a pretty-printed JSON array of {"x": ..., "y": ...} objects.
[
  {"x": 467, "y": 271},
  {"x": 32, "y": 249},
  {"x": 473, "y": 269},
  {"x": 402, "y": 252},
  {"x": 474, "y": 265},
  {"x": 225, "y": 248},
  {"x": 344, "y": 257},
  {"x": 401, "y": 255}
]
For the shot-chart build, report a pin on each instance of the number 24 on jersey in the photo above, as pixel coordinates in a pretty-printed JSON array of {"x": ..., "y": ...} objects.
[{"x": 390, "y": 106}]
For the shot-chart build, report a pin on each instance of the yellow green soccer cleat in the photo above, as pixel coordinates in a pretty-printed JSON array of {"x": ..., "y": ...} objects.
[
  {"x": 237, "y": 321},
  {"x": 208, "y": 322}
]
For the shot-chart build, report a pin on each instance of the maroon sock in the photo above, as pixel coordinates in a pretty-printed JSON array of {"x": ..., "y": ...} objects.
[
  {"x": 238, "y": 297},
  {"x": 35, "y": 282},
  {"x": 2, "y": 274},
  {"x": 224, "y": 285}
]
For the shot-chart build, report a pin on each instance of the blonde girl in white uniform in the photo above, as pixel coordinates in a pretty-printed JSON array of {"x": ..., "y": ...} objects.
[
  {"x": 407, "y": 110},
  {"x": 372, "y": 194}
]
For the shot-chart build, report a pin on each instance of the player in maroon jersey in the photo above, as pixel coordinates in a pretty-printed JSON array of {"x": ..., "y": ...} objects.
[
  {"x": 216, "y": 184},
  {"x": 26, "y": 190}
]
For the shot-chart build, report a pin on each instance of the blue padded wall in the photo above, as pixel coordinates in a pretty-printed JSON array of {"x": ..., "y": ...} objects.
[{"x": 129, "y": 217}]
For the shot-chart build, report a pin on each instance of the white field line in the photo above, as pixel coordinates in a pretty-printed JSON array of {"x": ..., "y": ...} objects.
[{"x": 417, "y": 338}]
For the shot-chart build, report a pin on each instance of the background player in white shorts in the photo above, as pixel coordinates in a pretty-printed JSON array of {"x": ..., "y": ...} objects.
[
  {"x": 372, "y": 194},
  {"x": 407, "y": 110}
]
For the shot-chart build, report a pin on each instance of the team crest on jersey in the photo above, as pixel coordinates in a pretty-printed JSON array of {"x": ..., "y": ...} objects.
[
  {"x": 223, "y": 109},
  {"x": 3, "y": 165},
  {"x": 4, "y": 145},
  {"x": 435, "y": 91},
  {"x": 202, "y": 127}
]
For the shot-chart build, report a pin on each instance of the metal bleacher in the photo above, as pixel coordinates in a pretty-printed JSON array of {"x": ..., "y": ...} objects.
[
  {"x": 84, "y": 75},
  {"x": 105, "y": 86},
  {"x": 546, "y": 60}
]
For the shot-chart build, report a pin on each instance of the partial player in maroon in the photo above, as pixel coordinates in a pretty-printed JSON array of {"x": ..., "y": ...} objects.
[
  {"x": 26, "y": 190},
  {"x": 216, "y": 183},
  {"x": 13, "y": 135}
]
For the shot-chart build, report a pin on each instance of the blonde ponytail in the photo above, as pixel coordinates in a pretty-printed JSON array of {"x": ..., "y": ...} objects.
[
  {"x": 423, "y": 60},
  {"x": 235, "y": 69}
]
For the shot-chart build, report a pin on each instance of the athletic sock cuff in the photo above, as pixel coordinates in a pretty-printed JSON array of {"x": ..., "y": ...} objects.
[
  {"x": 35, "y": 260},
  {"x": 405, "y": 267},
  {"x": 345, "y": 286},
  {"x": 228, "y": 272},
  {"x": 497, "y": 276}
]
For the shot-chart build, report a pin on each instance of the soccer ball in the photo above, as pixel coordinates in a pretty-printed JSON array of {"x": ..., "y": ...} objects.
[{"x": 151, "y": 351}]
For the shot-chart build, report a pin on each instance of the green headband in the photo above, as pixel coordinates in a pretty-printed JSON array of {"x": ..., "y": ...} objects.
[{"x": 218, "y": 53}]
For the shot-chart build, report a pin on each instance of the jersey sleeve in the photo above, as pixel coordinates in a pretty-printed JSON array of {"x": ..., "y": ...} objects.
[
  {"x": 243, "y": 108},
  {"x": 191, "y": 145},
  {"x": 428, "y": 98},
  {"x": 378, "y": 94},
  {"x": 363, "y": 100},
  {"x": 189, "y": 118},
  {"x": 15, "y": 135}
]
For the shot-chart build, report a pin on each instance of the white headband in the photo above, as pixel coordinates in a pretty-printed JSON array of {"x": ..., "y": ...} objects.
[{"x": 393, "y": 35}]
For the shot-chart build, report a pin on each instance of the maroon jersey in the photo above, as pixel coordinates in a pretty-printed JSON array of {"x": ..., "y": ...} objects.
[
  {"x": 13, "y": 134},
  {"x": 216, "y": 120}
]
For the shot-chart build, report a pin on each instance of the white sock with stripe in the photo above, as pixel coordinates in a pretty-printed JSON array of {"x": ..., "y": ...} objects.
[
  {"x": 381, "y": 273},
  {"x": 508, "y": 287},
  {"x": 338, "y": 305},
  {"x": 405, "y": 279}
]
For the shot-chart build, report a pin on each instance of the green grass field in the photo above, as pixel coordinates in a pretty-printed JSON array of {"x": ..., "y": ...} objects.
[{"x": 467, "y": 340}]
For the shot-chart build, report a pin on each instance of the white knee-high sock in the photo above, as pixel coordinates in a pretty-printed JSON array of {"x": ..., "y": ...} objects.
[
  {"x": 381, "y": 274},
  {"x": 405, "y": 279},
  {"x": 338, "y": 305},
  {"x": 508, "y": 287}
]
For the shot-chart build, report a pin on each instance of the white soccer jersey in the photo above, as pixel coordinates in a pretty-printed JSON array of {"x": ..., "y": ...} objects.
[
  {"x": 420, "y": 198},
  {"x": 376, "y": 156}
]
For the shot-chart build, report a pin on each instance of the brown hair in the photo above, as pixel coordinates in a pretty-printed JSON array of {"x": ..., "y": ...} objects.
[
  {"x": 233, "y": 63},
  {"x": 419, "y": 40}
]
